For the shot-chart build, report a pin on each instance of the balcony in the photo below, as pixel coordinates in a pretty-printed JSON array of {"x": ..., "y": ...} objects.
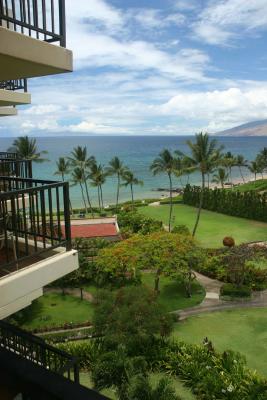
[
  {"x": 34, "y": 250},
  {"x": 14, "y": 167},
  {"x": 33, "y": 39},
  {"x": 8, "y": 154},
  {"x": 31, "y": 369},
  {"x": 8, "y": 112}
]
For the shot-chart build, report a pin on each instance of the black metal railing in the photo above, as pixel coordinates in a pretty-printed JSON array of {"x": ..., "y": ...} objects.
[
  {"x": 8, "y": 154},
  {"x": 41, "y": 19},
  {"x": 16, "y": 84},
  {"x": 34, "y": 219},
  {"x": 37, "y": 351},
  {"x": 15, "y": 168}
]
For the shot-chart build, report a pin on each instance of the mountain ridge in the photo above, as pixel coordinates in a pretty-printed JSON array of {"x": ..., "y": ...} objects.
[{"x": 254, "y": 128}]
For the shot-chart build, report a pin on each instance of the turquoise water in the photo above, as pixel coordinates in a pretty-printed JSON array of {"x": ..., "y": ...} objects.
[{"x": 136, "y": 152}]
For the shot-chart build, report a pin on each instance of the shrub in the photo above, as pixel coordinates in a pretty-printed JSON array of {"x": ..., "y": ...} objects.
[
  {"x": 228, "y": 241},
  {"x": 228, "y": 289},
  {"x": 182, "y": 230}
]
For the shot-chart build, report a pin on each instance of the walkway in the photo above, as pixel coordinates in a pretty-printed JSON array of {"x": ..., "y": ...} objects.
[{"x": 213, "y": 303}]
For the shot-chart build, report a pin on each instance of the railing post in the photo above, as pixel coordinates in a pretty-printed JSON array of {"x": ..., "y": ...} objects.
[
  {"x": 62, "y": 22},
  {"x": 76, "y": 372},
  {"x": 67, "y": 215}
]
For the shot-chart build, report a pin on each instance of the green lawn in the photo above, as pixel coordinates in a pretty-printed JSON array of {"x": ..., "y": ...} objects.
[
  {"x": 243, "y": 330},
  {"x": 258, "y": 186},
  {"x": 213, "y": 227},
  {"x": 181, "y": 390},
  {"x": 56, "y": 309}
]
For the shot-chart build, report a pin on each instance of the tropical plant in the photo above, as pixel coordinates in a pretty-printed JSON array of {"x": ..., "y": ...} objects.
[
  {"x": 241, "y": 162},
  {"x": 255, "y": 168},
  {"x": 79, "y": 159},
  {"x": 26, "y": 149},
  {"x": 98, "y": 178},
  {"x": 77, "y": 178},
  {"x": 166, "y": 163},
  {"x": 63, "y": 167},
  {"x": 228, "y": 161},
  {"x": 221, "y": 177},
  {"x": 130, "y": 180},
  {"x": 204, "y": 153},
  {"x": 117, "y": 168}
]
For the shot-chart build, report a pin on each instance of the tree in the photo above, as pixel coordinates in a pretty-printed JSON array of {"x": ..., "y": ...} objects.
[
  {"x": 79, "y": 159},
  {"x": 204, "y": 153},
  {"x": 255, "y": 168},
  {"x": 240, "y": 163},
  {"x": 98, "y": 179},
  {"x": 130, "y": 180},
  {"x": 77, "y": 178},
  {"x": 116, "y": 167},
  {"x": 229, "y": 161},
  {"x": 221, "y": 177},
  {"x": 26, "y": 149},
  {"x": 62, "y": 167},
  {"x": 166, "y": 163}
]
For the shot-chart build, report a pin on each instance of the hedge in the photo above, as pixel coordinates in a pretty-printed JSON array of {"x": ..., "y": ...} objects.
[
  {"x": 251, "y": 205},
  {"x": 229, "y": 289}
]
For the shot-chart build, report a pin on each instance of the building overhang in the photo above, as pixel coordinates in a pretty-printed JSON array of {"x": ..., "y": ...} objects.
[
  {"x": 12, "y": 98},
  {"x": 8, "y": 111},
  {"x": 22, "y": 56}
]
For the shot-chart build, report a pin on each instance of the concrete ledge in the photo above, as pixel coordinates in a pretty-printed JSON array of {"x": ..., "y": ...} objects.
[
  {"x": 8, "y": 111},
  {"x": 11, "y": 98},
  {"x": 24, "y": 57}
]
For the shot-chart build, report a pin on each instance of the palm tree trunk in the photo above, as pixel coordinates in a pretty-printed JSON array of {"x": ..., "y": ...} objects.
[
  {"x": 200, "y": 204},
  {"x": 132, "y": 196},
  {"x": 240, "y": 170},
  {"x": 85, "y": 206},
  {"x": 101, "y": 194},
  {"x": 87, "y": 195},
  {"x": 208, "y": 180},
  {"x": 118, "y": 192},
  {"x": 98, "y": 194},
  {"x": 171, "y": 203}
]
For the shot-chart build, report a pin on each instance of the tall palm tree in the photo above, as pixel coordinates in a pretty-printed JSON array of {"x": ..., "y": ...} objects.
[
  {"x": 166, "y": 163},
  {"x": 117, "y": 168},
  {"x": 221, "y": 177},
  {"x": 26, "y": 148},
  {"x": 78, "y": 179},
  {"x": 204, "y": 152},
  {"x": 240, "y": 162},
  {"x": 229, "y": 161},
  {"x": 80, "y": 159},
  {"x": 130, "y": 180},
  {"x": 98, "y": 179}
]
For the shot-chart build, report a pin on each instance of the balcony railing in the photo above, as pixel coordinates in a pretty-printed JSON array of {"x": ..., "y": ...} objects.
[
  {"x": 8, "y": 154},
  {"x": 17, "y": 84},
  {"x": 34, "y": 219},
  {"x": 15, "y": 168},
  {"x": 41, "y": 19}
]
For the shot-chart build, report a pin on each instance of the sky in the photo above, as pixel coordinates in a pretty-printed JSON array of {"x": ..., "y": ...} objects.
[{"x": 153, "y": 67}]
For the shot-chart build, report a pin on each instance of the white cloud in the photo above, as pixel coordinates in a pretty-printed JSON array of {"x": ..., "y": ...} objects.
[
  {"x": 225, "y": 20},
  {"x": 43, "y": 109},
  {"x": 219, "y": 109}
]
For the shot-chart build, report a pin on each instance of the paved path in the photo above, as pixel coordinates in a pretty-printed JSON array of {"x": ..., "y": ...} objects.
[{"x": 213, "y": 303}]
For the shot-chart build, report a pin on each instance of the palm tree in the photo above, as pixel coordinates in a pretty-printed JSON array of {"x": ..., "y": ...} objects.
[
  {"x": 204, "y": 153},
  {"x": 130, "y": 180},
  {"x": 98, "y": 179},
  {"x": 79, "y": 159},
  {"x": 116, "y": 167},
  {"x": 78, "y": 179},
  {"x": 26, "y": 149},
  {"x": 62, "y": 167},
  {"x": 240, "y": 162},
  {"x": 166, "y": 163},
  {"x": 255, "y": 168},
  {"x": 221, "y": 177},
  {"x": 228, "y": 161}
]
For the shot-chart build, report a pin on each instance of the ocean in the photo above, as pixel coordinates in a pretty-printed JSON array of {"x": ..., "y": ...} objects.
[{"x": 137, "y": 152}]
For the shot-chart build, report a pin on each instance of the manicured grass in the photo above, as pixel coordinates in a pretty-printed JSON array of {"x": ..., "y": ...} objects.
[
  {"x": 243, "y": 330},
  {"x": 172, "y": 294},
  {"x": 213, "y": 227},
  {"x": 183, "y": 392},
  {"x": 56, "y": 309},
  {"x": 258, "y": 186}
]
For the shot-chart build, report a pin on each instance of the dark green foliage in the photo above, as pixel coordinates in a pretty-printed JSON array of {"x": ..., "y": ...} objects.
[
  {"x": 251, "y": 205},
  {"x": 231, "y": 290},
  {"x": 131, "y": 222},
  {"x": 182, "y": 230},
  {"x": 141, "y": 389}
]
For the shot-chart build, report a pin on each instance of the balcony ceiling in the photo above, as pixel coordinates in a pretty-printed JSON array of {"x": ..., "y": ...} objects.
[
  {"x": 11, "y": 98},
  {"x": 24, "y": 57},
  {"x": 8, "y": 111}
]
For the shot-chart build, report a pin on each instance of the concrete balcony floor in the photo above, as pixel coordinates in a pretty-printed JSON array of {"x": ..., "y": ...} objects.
[{"x": 8, "y": 111}]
